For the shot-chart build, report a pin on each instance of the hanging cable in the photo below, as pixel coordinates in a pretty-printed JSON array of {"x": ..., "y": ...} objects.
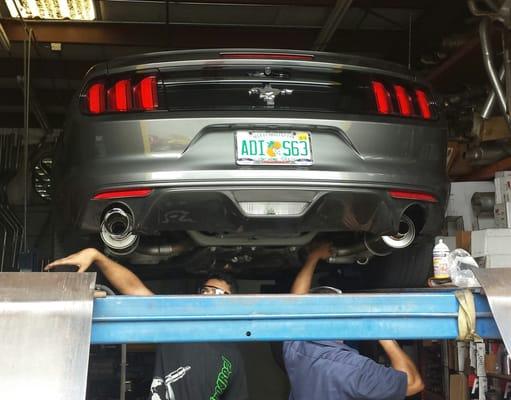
[{"x": 26, "y": 90}]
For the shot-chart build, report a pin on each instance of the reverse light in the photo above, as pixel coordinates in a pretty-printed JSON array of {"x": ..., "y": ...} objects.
[
  {"x": 423, "y": 102},
  {"x": 403, "y": 101},
  {"x": 96, "y": 98},
  {"x": 122, "y": 194},
  {"x": 382, "y": 98},
  {"x": 273, "y": 208},
  {"x": 420, "y": 196}
]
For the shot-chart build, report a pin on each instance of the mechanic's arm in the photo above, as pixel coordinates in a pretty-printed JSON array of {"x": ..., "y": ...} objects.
[
  {"x": 125, "y": 281},
  {"x": 401, "y": 362},
  {"x": 303, "y": 280}
]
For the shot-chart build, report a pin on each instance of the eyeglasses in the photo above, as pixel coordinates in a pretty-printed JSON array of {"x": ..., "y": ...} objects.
[{"x": 208, "y": 289}]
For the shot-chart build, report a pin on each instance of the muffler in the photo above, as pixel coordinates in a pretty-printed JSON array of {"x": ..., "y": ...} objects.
[
  {"x": 116, "y": 231},
  {"x": 405, "y": 235},
  {"x": 379, "y": 246}
]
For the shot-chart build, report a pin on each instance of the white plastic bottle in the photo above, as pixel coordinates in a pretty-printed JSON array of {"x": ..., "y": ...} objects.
[{"x": 440, "y": 265}]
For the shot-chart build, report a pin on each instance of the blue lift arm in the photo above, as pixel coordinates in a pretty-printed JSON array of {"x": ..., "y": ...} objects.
[{"x": 237, "y": 318}]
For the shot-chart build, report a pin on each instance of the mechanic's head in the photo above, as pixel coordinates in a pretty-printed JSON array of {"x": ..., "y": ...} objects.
[{"x": 218, "y": 283}]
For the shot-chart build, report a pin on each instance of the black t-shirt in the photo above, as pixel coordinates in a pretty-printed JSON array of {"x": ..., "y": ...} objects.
[{"x": 199, "y": 371}]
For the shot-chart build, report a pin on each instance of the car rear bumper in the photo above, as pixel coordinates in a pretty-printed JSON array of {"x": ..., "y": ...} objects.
[
  {"x": 219, "y": 209},
  {"x": 190, "y": 163}
]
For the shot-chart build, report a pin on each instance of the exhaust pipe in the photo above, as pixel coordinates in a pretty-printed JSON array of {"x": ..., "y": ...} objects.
[
  {"x": 116, "y": 231},
  {"x": 378, "y": 246},
  {"x": 405, "y": 235}
]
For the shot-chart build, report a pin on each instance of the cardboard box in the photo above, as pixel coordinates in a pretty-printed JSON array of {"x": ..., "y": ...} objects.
[
  {"x": 491, "y": 242},
  {"x": 502, "y": 212},
  {"x": 491, "y": 363},
  {"x": 458, "y": 387},
  {"x": 463, "y": 240},
  {"x": 502, "y": 186},
  {"x": 494, "y": 261}
]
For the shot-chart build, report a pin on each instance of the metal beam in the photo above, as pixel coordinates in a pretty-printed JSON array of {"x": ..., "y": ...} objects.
[
  {"x": 155, "y": 35},
  {"x": 158, "y": 319},
  {"x": 4, "y": 39},
  {"x": 55, "y": 68},
  {"x": 332, "y": 24}
]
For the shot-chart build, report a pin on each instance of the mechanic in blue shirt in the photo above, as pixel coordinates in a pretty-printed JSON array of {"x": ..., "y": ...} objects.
[{"x": 332, "y": 370}]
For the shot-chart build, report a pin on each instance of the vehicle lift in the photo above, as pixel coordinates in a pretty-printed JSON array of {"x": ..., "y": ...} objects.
[{"x": 49, "y": 320}]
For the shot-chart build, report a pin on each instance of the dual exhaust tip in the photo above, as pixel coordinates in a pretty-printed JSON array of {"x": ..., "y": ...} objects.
[
  {"x": 116, "y": 230},
  {"x": 405, "y": 235},
  {"x": 118, "y": 223},
  {"x": 377, "y": 246}
]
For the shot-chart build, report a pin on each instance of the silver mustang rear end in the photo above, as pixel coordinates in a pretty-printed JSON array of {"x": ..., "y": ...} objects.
[{"x": 249, "y": 148}]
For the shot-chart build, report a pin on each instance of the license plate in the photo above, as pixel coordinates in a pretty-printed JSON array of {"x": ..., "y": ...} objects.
[{"x": 273, "y": 148}]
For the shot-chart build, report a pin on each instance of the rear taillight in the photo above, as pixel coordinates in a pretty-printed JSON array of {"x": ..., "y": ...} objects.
[
  {"x": 423, "y": 102},
  {"x": 96, "y": 98},
  {"x": 119, "y": 96},
  {"x": 382, "y": 98},
  {"x": 403, "y": 102},
  {"x": 145, "y": 94},
  {"x": 122, "y": 95}
]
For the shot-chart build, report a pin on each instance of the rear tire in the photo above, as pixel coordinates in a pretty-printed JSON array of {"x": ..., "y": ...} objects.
[{"x": 406, "y": 268}]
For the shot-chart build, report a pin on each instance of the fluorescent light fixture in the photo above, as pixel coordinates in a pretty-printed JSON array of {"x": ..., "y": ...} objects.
[{"x": 52, "y": 9}]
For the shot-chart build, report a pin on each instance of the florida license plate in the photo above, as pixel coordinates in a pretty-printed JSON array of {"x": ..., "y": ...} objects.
[{"x": 273, "y": 148}]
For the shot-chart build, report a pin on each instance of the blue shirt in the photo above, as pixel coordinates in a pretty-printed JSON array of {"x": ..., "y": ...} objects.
[{"x": 331, "y": 370}]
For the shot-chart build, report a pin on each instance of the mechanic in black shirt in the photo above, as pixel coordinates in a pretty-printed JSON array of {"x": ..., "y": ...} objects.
[{"x": 184, "y": 371}]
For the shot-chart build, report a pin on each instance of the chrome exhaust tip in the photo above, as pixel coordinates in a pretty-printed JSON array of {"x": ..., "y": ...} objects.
[
  {"x": 116, "y": 231},
  {"x": 404, "y": 237}
]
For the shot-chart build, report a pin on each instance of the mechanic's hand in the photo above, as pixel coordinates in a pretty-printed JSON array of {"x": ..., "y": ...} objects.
[
  {"x": 83, "y": 259},
  {"x": 321, "y": 251}
]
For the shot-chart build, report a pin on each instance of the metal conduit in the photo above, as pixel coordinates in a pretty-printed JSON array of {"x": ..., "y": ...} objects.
[
  {"x": 488, "y": 64},
  {"x": 490, "y": 101}
]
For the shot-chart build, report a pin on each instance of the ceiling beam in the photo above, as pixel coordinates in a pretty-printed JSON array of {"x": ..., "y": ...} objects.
[
  {"x": 193, "y": 37},
  {"x": 155, "y": 35},
  {"x": 56, "y": 68},
  {"x": 407, "y": 4},
  {"x": 331, "y": 24}
]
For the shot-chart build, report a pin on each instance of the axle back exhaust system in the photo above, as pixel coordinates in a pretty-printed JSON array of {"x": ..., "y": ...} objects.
[{"x": 376, "y": 246}]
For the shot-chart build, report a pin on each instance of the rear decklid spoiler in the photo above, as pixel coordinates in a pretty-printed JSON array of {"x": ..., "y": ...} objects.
[{"x": 232, "y": 56}]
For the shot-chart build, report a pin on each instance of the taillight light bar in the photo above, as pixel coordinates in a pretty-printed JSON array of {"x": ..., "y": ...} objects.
[
  {"x": 119, "y": 96},
  {"x": 409, "y": 103},
  {"x": 122, "y": 95},
  {"x": 96, "y": 98},
  {"x": 145, "y": 94},
  {"x": 122, "y": 194},
  {"x": 403, "y": 101},
  {"x": 382, "y": 98},
  {"x": 422, "y": 101},
  {"x": 420, "y": 196}
]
